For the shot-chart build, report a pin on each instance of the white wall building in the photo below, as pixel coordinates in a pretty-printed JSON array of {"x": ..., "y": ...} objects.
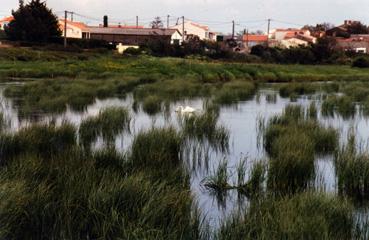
[
  {"x": 75, "y": 29},
  {"x": 192, "y": 29}
]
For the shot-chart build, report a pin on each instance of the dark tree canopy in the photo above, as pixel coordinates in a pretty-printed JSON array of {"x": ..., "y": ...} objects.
[
  {"x": 357, "y": 28},
  {"x": 33, "y": 22},
  {"x": 157, "y": 23}
]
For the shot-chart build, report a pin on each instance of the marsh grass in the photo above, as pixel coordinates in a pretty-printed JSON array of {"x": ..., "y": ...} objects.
[
  {"x": 2, "y": 122},
  {"x": 292, "y": 140},
  {"x": 159, "y": 149},
  {"x": 109, "y": 123},
  {"x": 352, "y": 169},
  {"x": 307, "y": 215},
  {"x": 72, "y": 193},
  {"x": 295, "y": 89},
  {"x": 219, "y": 182},
  {"x": 271, "y": 98},
  {"x": 342, "y": 105},
  {"x": 233, "y": 92},
  {"x": 45, "y": 140},
  {"x": 152, "y": 105},
  {"x": 205, "y": 128},
  {"x": 291, "y": 167}
]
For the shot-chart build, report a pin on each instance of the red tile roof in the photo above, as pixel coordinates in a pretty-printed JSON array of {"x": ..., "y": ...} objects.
[
  {"x": 79, "y": 25},
  {"x": 123, "y": 26},
  {"x": 255, "y": 38},
  {"x": 7, "y": 19}
]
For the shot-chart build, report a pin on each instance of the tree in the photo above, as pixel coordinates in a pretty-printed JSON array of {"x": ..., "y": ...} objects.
[
  {"x": 33, "y": 22},
  {"x": 157, "y": 23},
  {"x": 357, "y": 28}
]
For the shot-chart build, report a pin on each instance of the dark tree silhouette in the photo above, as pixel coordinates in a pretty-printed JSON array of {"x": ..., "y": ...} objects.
[
  {"x": 33, "y": 22},
  {"x": 357, "y": 28},
  {"x": 157, "y": 23}
]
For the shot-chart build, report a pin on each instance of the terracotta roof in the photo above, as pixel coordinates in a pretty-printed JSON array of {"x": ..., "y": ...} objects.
[
  {"x": 206, "y": 28},
  {"x": 79, "y": 25},
  {"x": 291, "y": 30},
  {"x": 132, "y": 31},
  {"x": 121, "y": 26},
  {"x": 7, "y": 19},
  {"x": 255, "y": 38}
]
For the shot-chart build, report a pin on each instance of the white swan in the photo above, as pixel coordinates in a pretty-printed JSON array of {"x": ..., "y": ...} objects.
[{"x": 186, "y": 110}]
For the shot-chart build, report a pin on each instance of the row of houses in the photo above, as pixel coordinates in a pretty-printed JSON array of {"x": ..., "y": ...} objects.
[{"x": 126, "y": 36}]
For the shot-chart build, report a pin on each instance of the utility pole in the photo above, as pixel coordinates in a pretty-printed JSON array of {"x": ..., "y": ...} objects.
[
  {"x": 65, "y": 28},
  {"x": 233, "y": 30},
  {"x": 247, "y": 39},
  {"x": 136, "y": 21},
  {"x": 71, "y": 17},
  {"x": 268, "y": 31},
  {"x": 168, "y": 16},
  {"x": 183, "y": 29}
]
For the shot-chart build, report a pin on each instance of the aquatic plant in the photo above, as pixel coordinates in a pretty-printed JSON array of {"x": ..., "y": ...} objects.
[
  {"x": 157, "y": 148},
  {"x": 342, "y": 105},
  {"x": 109, "y": 123},
  {"x": 204, "y": 128},
  {"x": 271, "y": 98},
  {"x": 152, "y": 105},
  {"x": 352, "y": 169},
  {"x": 290, "y": 89},
  {"x": 309, "y": 215},
  {"x": 291, "y": 167},
  {"x": 46, "y": 140},
  {"x": 233, "y": 92}
]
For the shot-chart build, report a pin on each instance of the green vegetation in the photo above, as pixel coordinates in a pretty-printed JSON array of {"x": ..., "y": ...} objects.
[
  {"x": 303, "y": 216},
  {"x": 109, "y": 123},
  {"x": 292, "y": 140},
  {"x": 219, "y": 182},
  {"x": 352, "y": 168},
  {"x": 62, "y": 79},
  {"x": 205, "y": 129},
  {"x": 52, "y": 188},
  {"x": 342, "y": 105},
  {"x": 288, "y": 90}
]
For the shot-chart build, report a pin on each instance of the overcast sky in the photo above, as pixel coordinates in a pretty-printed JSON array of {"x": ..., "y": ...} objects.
[{"x": 218, "y": 14}]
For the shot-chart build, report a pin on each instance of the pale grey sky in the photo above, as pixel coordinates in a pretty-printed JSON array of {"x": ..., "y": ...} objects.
[{"x": 218, "y": 14}]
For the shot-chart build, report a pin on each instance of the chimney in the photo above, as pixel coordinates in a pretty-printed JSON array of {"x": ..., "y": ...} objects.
[{"x": 105, "y": 21}]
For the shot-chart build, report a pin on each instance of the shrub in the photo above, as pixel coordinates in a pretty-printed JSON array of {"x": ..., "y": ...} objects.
[{"x": 361, "y": 62}]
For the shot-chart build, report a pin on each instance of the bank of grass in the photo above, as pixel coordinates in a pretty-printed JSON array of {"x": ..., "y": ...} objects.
[
  {"x": 51, "y": 191},
  {"x": 309, "y": 215},
  {"x": 109, "y": 123},
  {"x": 77, "y": 83},
  {"x": 292, "y": 140},
  {"x": 205, "y": 128},
  {"x": 352, "y": 169}
]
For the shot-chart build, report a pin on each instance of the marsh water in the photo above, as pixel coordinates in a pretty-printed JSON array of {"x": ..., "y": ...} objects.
[{"x": 242, "y": 121}]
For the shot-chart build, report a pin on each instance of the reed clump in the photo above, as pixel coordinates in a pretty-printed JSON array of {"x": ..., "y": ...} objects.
[
  {"x": 157, "y": 148},
  {"x": 296, "y": 118},
  {"x": 308, "y": 215},
  {"x": 343, "y": 105},
  {"x": 294, "y": 88},
  {"x": 109, "y": 123},
  {"x": 205, "y": 128},
  {"x": 46, "y": 140},
  {"x": 352, "y": 169},
  {"x": 233, "y": 92},
  {"x": 152, "y": 105},
  {"x": 292, "y": 140}
]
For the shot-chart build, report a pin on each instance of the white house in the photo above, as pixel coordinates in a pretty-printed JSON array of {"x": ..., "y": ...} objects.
[
  {"x": 192, "y": 29},
  {"x": 75, "y": 29},
  {"x": 281, "y": 34}
]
